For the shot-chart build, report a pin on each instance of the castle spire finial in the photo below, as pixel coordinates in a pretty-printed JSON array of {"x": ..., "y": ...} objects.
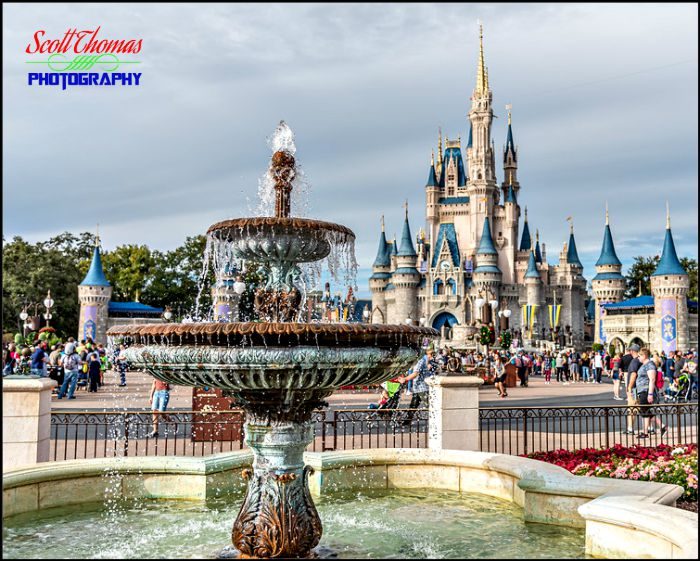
[
  {"x": 97, "y": 235},
  {"x": 405, "y": 206},
  {"x": 382, "y": 222},
  {"x": 525, "y": 214},
  {"x": 432, "y": 157},
  {"x": 482, "y": 77},
  {"x": 570, "y": 219},
  {"x": 668, "y": 216},
  {"x": 508, "y": 108},
  {"x": 607, "y": 214},
  {"x": 537, "y": 235}
]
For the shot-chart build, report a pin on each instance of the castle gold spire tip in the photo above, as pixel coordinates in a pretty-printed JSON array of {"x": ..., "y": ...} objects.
[
  {"x": 607, "y": 214},
  {"x": 668, "y": 216},
  {"x": 382, "y": 222}
]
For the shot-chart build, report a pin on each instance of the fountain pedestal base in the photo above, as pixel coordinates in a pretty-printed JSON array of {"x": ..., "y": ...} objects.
[{"x": 278, "y": 518}]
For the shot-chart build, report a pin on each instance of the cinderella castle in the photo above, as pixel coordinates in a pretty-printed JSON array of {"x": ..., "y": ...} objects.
[{"x": 473, "y": 262}]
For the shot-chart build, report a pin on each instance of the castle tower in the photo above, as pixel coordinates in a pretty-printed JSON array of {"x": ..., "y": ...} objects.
[
  {"x": 94, "y": 294},
  {"x": 512, "y": 217},
  {"x": 533, "y": 290},
  {"x": 572, "y": 286},
  {"x": 406, "y": 277},
  {"x": 432, "y": 198},
  {"x": 608, "y": 284},
  {"x": 487, "y": 276},
  {"x": 669, "y": 287},
  {"x": 380, "y": 278},
  {"x": 525, "y": 240},
  {"x": 480, "y": 156}
]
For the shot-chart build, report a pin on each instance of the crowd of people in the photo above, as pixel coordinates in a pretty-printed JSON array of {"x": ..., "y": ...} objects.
[{"x": 632, "y": 371}]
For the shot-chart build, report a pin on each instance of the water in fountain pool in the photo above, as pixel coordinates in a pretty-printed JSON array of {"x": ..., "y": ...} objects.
[{"x": 403, "y": 524}]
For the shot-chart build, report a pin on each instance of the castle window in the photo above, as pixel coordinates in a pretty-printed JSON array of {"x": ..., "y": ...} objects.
[
  {"x": 438, "y": 287},
  {"x": 451, "y": 177}
]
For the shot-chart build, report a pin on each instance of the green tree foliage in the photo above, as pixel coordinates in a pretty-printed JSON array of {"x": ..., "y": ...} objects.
[
  {"x": 128, "y": 268},
  {"x": 639, "y": 275},
  {"x": 30, "y": 270}
]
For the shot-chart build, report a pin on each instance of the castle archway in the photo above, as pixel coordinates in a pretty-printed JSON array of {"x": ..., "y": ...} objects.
[
  {"x": 619, "y": 345},
  {"x": 444, "y": 320},
  {"x": 637, "y": 341}
]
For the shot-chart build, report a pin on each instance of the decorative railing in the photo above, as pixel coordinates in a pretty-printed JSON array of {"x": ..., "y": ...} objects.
[
  {"x": 90, "y": 434},
  {"x": 522, "y": 430},
  {"x": 506, "y": 430}
]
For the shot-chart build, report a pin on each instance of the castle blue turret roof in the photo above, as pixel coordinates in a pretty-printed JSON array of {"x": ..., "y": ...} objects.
[
  {"x": 538, "y": 253},
  {"x": 525, "y": 241},
  {"x": 95, "y": 275},
  {"x": 607, "y": 253},
  {"x": 669, "y": 263},
  {"x": 456, "y": 154},
  {"x": 406, "y": 249},
  {"x": 510, "y": 145},
  {"x": 532, "y": 272},
  {"x": 469, "y": 138},
  {"x": 571, "y": 253},
  {"x": 432, "y": 179},
  {"x": 383, "y": 258},
  {"x": 486, "y": 246},
  {"x": 510, "y": 195},
  {"x": 392, "y": 246}
]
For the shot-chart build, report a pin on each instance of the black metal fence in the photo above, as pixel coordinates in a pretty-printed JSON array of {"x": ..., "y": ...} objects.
[
  {"x": 506, "y": 430},
  {"x": 522, "y": 430},
  {"x": 188, "y": 433}
]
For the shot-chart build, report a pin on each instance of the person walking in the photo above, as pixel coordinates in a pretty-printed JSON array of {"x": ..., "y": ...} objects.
[
  {"x": 499, "y": 370},
  {"x": 598, "y": 367},
  {"x": 71, "y": 365},
  {"x": 585, "y": 368},
  {"x": 122, "y": 365},
  {"x": 560, "y": 367},
  {"x": 160, "y": 395},
  {"x": 575, "y": 367},
  {"x": 547, "y": 368},
  {"x": 422, "y": 370},
  {"x": 39, "y": 359},
  {"x": 94, "y": 365},
  {"x": 8, "y": 360},
  {"x": 647, "y": 393},
  {"x": 616, "y": 376},
  {"x": 630, "y": 364}
]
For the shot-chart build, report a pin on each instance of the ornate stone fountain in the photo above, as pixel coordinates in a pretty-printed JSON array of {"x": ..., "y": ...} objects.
[{"x": 279, "y": 369}]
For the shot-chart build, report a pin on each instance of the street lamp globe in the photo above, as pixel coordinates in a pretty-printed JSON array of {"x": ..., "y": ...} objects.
[
  {"x": 479, "y": 302},
  {"x": 23, "y": 315},
  {"x": 48, "y": 302},
  {"x": 239, "y": 287},
  {"x": 493, "y": 303},
  {"x": 506, "y": 313},
  {"x": 167, "y": 314}
]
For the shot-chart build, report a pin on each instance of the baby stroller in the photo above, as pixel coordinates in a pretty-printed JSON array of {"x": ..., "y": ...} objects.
[
  {"x": 680, "y": 390},
  {"x": 387, "y": 411},
  {"x": 83, "y": 381}
]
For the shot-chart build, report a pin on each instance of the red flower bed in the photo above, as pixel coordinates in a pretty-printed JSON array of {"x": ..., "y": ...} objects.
[{"x": 663, "y": 463}]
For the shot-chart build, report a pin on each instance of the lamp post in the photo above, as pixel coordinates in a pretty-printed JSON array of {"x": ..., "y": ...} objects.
[
  {"x": 366, "y": 314},
  {"x": 48, "y": 303},
  {"x": 23, "y": 315},
  {"x": 167, "y": 314}
]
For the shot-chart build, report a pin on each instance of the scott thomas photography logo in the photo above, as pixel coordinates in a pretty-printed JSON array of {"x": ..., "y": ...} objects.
[{"x": 68, "y": 59}]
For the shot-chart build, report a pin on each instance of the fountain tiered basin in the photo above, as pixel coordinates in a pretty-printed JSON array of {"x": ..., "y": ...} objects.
[{"x": 279, "y": 369}]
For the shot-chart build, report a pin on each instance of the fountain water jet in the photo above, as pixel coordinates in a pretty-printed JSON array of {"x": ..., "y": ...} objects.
[{"x": 280, "y": 370}]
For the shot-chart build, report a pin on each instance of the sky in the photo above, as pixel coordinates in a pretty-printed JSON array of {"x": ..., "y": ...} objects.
[{"x": 605, "y": 107}]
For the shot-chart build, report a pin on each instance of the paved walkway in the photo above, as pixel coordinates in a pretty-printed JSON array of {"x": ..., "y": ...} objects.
[{"x": 135, "y": 395}]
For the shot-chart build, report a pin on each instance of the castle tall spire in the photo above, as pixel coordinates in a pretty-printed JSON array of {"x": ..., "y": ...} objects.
[
  {"x": 538, "y": 252},
  {"x": 669, "y": 264},
  {"x": 486, "y": 246},
  {"x": 526, "y": 240},
  {"x": 383, "y": 258},
  {"x": 432, "y": 178},
  {"x": 406, "y": 249},
  {"x": 482, "y": 76},
  {"x": 608, "y": 256},
  {"x": 95, "y": 275},
  {"x": 571, "y": 253}
]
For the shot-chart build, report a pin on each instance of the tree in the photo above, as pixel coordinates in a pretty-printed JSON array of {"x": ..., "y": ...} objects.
[
  {"x": 129, "y": 269},
  {"x": 641, "y": 270},
  {"x": 29, "y": 271}
]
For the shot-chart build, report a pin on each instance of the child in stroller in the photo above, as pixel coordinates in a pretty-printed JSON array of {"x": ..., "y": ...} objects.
[{"x": 389, "y": 400}]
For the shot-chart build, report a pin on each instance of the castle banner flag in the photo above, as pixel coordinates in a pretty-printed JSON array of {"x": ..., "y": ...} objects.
[
  {"x": 668, "y": 325},
  {"x": 554, "y": 312}
]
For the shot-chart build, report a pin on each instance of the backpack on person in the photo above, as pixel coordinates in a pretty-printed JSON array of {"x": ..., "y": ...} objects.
[
  {"x": 659, "y": 380},
  {"x": 71, "y": 362}
]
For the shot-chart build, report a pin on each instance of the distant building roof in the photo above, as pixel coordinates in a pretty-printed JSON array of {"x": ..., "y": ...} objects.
[{"x": 134, "y": 308}]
